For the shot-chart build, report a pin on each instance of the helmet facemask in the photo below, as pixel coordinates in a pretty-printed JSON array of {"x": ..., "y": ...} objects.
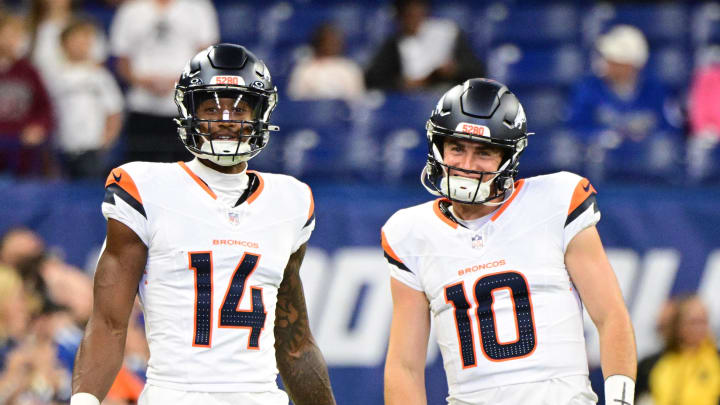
[
  {"x": 225, "y": 124},
  {"x": 469, "y": 189}
]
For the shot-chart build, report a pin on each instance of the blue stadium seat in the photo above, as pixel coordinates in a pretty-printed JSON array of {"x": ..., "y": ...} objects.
[
  {"x": 544, "y": 106},
  {"x": 397, "y": 130},
  {"x": 537, "y": 25},
  {"x": 295, "y": 24},
  {"x": 656, "y": 160},
  {"x": 550, "y": 149},
  {"x": 310, "y": 113},
  {"x": 672, "y": 65},
  {"x": 102, "y": 14},
  {"x": 459, "y": 12},
  {"x": 239, "y": 23},
  {"x": 312, "y": 141},
  {"x": 705, "y": 24},
  {"x": 558, "y": 67},
  {"x": 298, "y": 27},
  {"x": 663, "y": 24}
]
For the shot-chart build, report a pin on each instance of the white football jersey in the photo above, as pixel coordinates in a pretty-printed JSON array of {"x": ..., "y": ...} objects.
[
  {"x": 210, "y": 285},
  {"x": 504, "y": 308}
]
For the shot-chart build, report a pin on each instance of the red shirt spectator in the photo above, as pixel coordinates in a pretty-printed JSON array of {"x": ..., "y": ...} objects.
[
  {"x": 23, "y": 100},
  {"x": 25, "y": 109}
]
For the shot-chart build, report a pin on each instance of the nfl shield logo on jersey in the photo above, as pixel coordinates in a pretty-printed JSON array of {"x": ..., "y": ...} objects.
[
  {"x": 477, "y": 241},
  {"x": 234, "y": 218}
]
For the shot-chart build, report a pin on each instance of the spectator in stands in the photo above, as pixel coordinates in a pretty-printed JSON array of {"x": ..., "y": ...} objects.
[
  {"x": 25, "y": 110},
  {"x": 59, "y": 284},
  {"x": 689, "y": 372},
  {"x": 19, "y": 244},
  {"x": 152, "y": 40},
  {"x": 326, "y": 74},
  {"x": 618, "y": 105},
  {"x": 15, "y": 312},
  {"x": 47, "y": 18},
  {"x": 88, "y": 103},
  {"x": 424, "y": 52},
  {"x": 663, "y": 327},
  {"x": 704, "y": 113},
  {"x": 32, "y": 372}
]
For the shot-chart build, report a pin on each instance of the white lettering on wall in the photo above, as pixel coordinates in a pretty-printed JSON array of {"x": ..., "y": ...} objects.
[{"x": 365, "y": 343}]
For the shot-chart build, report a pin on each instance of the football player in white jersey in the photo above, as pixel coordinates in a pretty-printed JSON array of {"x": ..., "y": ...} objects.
[
  {"x": 503, "y": 268},
  {"x": 213, "y": 250}
]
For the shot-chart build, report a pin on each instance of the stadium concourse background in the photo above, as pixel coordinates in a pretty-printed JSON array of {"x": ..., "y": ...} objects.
[{"x": 363, "y": 159}]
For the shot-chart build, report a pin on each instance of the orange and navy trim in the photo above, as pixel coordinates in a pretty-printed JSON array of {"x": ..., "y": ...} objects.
[
  {"x": 390, "y": 255},
  {"x": 257, "y": 189},
  {"x": 255, "y": 186},
  {"x": 439, "y": 208},
  {"x": 198, "y": 180},
  {"x": 518, "y": 185},
  {"x": 311, "y": 211},
  {"x": 583, "y": 197},
  {"x": 119, "y": 183}
]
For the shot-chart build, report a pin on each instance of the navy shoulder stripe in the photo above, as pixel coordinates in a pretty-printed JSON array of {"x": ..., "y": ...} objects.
[
  {"x": 397, "y": 263},
  {"x": 114, "y": 189},
  {"x": 590, "y": 200},
  {"x": 310, "y": 220}
]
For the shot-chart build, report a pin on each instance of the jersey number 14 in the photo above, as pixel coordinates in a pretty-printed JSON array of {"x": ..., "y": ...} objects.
[
  {"x": 486, "y": 289},
  {"x": 230, "y": 316}
]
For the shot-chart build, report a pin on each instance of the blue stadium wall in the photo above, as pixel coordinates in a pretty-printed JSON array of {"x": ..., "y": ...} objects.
[{"x": 661, "y": 241}]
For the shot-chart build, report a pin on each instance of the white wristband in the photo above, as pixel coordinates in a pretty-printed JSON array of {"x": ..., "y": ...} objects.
[
  {"x": 619, "y": 390},
  {"x": 83, "y": 398}
]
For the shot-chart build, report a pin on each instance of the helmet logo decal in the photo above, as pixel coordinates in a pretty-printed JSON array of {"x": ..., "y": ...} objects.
[
  {"x": 519, "y": 118},
  {"x": 473, "y": 129},
  {"x": 258, "y": 84},
  {"x": 236, "y": 80}
]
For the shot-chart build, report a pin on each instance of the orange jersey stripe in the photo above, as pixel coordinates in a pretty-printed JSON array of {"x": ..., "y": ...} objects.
[
  {"x": 124, "y": 181},
  {"x": 311, "y": 211},
  {"x": 259, "y": 190},
  {"x": 582, "y": 191},
  {"x": 518, "y": 186},
  {"x": 386, "y": 247},
  {"x": 436, "y": 209},
  {"x": 197, "y": 180}
]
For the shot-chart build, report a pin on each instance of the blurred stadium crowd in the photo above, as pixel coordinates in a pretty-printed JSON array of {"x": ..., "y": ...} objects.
[
  {"x": 620, "y": 92},
  {"x": 615, "y": 91}
]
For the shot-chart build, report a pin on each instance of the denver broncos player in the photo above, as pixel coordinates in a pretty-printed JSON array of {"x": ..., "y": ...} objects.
[
  {"x": 214, "y": 252},
  {"x": 503, "y": 267}
]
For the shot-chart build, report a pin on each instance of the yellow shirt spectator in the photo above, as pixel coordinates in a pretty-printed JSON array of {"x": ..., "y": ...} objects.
[{"x": 687, "y": 377}]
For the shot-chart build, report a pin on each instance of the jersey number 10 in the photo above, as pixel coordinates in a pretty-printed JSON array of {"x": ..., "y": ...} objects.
[
  {"x": 230, "y": 315},
  {"x": 485, "y": 289}
]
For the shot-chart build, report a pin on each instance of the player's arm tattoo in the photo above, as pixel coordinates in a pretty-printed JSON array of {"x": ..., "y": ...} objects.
[{"x": 299, "y": 360}]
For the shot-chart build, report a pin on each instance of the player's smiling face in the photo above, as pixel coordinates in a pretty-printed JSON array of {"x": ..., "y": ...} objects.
[
  {"x": 225, "y": 109},
  {"x": 471, "y": 155}
]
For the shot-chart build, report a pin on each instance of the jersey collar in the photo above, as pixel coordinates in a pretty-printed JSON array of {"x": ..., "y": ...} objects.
[
  {"x": 441, "y": 211},
  {"x": 256, "y": 184}
]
